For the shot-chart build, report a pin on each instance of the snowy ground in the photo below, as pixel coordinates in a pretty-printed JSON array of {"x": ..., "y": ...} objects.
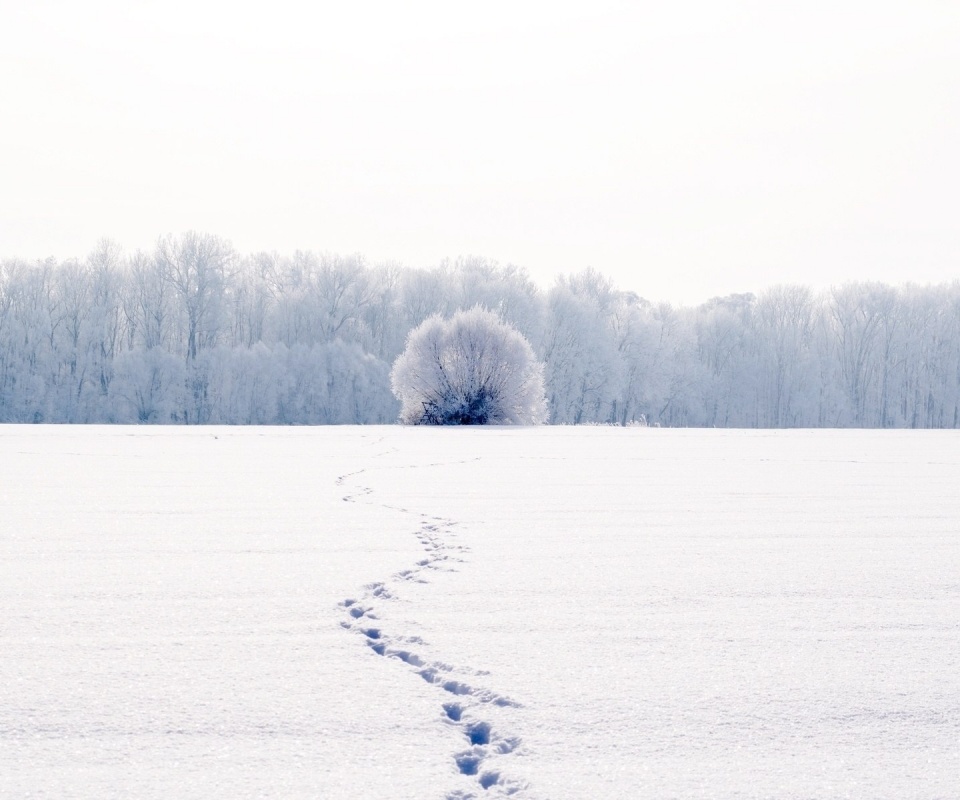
[{"x": 423, "y": 613}]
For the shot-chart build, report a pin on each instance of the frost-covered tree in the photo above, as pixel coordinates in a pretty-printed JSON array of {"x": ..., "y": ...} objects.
[
  {"x": 147, "y": 386},
  {"x": 472, "y": 369},
  {"x": 582, "y": 365},
  {"x": 197, "y": 266}
]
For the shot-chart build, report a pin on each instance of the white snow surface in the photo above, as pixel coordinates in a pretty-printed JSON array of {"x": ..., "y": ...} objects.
[{"x": 335, "y": 612}]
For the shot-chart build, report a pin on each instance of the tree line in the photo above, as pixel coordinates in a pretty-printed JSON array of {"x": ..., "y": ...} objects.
[{"x": 194, "y": 332}]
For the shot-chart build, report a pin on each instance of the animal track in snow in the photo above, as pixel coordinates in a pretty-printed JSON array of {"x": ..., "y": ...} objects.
[{"x": 483, "y": 742}]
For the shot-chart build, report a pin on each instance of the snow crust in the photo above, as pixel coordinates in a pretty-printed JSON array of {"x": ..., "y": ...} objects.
[{"x": 453, "y": 613}]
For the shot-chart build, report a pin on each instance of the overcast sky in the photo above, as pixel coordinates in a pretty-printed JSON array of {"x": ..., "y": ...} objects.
[{"x": 688, "y": 149}]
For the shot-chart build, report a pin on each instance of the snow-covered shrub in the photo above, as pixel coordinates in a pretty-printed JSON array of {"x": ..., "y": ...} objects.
[{"x": 472, "y": 369}]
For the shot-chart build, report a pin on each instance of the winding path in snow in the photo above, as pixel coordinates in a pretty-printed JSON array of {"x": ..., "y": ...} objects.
[{"x": 482, "y": 748}]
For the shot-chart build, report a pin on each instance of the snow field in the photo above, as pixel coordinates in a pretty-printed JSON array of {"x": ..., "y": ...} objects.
[
  {"x": 702, "y": 613},
  {"x": 169, "y": 622},
  {"x": 455, "y": 613}
]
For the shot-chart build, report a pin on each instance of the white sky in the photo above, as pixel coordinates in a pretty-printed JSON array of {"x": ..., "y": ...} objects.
[{"x": 687, "y": 149}]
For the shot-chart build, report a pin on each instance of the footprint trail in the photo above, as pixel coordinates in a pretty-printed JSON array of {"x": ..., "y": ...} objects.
[{"x": 483, "y": 757}]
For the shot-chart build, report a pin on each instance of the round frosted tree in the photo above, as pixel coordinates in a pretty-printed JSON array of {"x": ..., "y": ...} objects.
[{"x": 473, "y": 369}]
